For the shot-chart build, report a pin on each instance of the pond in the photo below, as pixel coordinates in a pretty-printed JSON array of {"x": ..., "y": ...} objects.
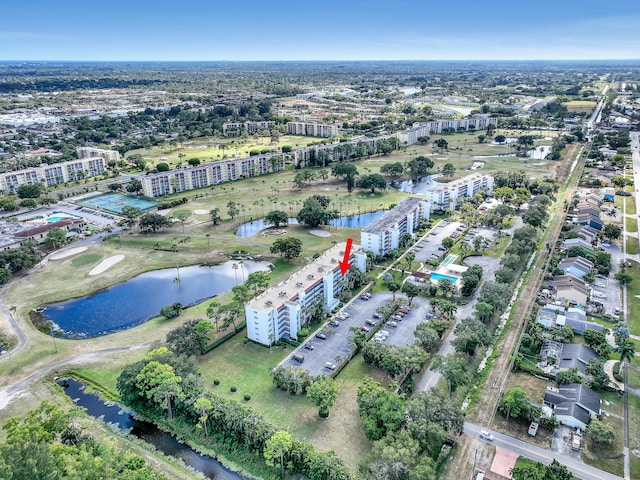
[
  {"x": 352, "y": 221},
  {"x": 137, "y": 300},
  {"x": 114, "y": 414}
]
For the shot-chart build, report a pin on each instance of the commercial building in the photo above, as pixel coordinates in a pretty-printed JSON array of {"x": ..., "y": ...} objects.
[
  {"x": 206, "y": 174},
  {"x": 54, "y": 174},
  {"x": 281, "y": 311},
  {"x": 383, "y": 235},
  {"x": 447, "y": 195},
  {"x": 312, "y": 129}
]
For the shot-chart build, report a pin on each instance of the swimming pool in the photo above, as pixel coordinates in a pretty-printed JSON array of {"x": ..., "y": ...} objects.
[{"x": 440, "y": 276}]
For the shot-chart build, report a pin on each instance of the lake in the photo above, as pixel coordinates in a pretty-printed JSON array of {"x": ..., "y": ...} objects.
[
  {"x": 352, "y": 221},
  {"x": 140, "y": 299}
]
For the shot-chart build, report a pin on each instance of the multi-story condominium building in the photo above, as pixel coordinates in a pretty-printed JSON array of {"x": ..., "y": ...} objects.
[
  {"x": 206, "y": 174},
  {"x": 233, "y": 129},
  {"x": 282, "y": 310},
  {"x": 447, "y": 195},
  {"x": 424, "y": 129},
  {"x": 54, "y": 174},
  {"x": 312, "y": 129},
  {"x": 383, "y": 235},
  {"x": 91, "y": 152}
]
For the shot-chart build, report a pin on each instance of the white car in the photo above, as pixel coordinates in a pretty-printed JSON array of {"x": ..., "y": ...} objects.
[{"x": 486, "y": 434}]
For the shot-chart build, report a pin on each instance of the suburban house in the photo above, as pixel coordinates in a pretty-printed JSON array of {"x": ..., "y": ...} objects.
[
  {"x": 589, "y": 233},
  {"x": 573, "y": 404},
  {"x": 609, "y": 194},
  {"x": 577, "y": 242},
  {"x": 576, "y": 266},
  {"x": 557, "y": 357},
  {"x": 570, "y": 289},
  {"x": 383, "y": 235},
  {"x": 590, "y": 219},
  {"x": 577, "y": 318},
  {"x": 39, "y": 233},
  {"x": 280, "y": 311}
]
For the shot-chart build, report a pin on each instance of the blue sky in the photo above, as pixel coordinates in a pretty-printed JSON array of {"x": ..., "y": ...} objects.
[{"x": 319, "y": 30}]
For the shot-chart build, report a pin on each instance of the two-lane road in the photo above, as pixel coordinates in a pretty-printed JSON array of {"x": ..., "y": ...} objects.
[{"x": 541, "y": 455}]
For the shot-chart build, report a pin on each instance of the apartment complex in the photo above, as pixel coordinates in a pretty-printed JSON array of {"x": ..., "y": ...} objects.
[
  {"x": 383, "y": 235},
  {"x": 91, "y": 152},
  {"x": 312, "y": 129},
  {"x": 424, "y": 129},
  {"x": 206, "y": 174},
  {"x": 234, "y": 129},
  {"x": 54, "y": 174},
  {"x": 447, "y": 195},
  {"x": 281, "y": 311}
]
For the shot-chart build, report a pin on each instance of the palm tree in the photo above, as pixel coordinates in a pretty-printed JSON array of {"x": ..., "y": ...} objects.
[
  {"x": 235, "y": 270},
  {"x": 627, "y": 350}
]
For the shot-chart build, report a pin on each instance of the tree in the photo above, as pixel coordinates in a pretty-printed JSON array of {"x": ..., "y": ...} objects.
[
  {"x": 482, "y": 138},
  {"x": 611, "y": 231},
  {"x": 157, "y": 381},
  {"x": 323, "y": 393},
  {"x": 419, "y": 167},
  {"x": 411, "y": 290},
  {"x": 426, "y": 336},
  {"x": 393, "y": 287},
  {"x": 131, "y": 214},
  {"x": 448, "y": 170},
  {"x": 500, "y": 139},
  {"x": 448, "y": 242},
  {"x": 163, "y": 167},
  {"x": 372, "y": 181},
  {"x": 447, "y": 287},
  {"x": 134, "y": 186},
  {"x": 56, "y": 237},
  {"x": 599, "y": 432},
  {"x": 381, "y": 411},
  {"x": 627, "y": 350},
  {"x": 453, "y": 369},
  {"x": 257, "y": 282},
  {"x": 232, "y": 209},
  {"x": 314, "y": 212},
  {"x": 171, "y": 311},
  {"x": 348, "y": 172},
  {"x": 470, "y": 333},
  {"x": 276, "y": 218},
  {"x": 441, "y": 143},
  {"x": 516, "y": 403},
  {"x": 215, "y": 216},
  {"x": 153, "y": 222},
  {"x": 290, "y": 247},
  {"x": 277, "y": 449},
  {"x": 32, "y": 190},
  {"x": 203, "y": 406},
  {"x": 566, "y": 377},
  {"x": 394, "y": 169},
  {"x": 194, "y": 162}
]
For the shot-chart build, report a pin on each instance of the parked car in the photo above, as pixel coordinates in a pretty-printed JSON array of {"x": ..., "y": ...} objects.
[
  {"x": 376, "y": 315},
  {"x": 364, "y": 297},
  {"x": 334, "y": 323},
  {"x": 397, "y": 317},
  {"x": 321, "y": 336},
  {"x": 371, "y": 323},
  {"x": 364, "y": 328},
  {"x": 330, "y": 366},
  {"x": 442, "y": 249},
  {"x": 392, "y": 324},
  {"x": 309, "y": 346}
]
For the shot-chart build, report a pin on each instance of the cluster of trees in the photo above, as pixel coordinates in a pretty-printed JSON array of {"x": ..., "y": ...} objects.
[
  {"x": 538, "y": 211},
  {"x": 16, "y": 259},
  {"x": 288, "y": 247},
  {"x": 48, "y": 443},
  {"x": 471, "y": 279},
  {"x": 165, "y": 382},
  {"x": 315, "y": 211},
  {"x": 497, "y": 293},
  {"x": 305, "y": 176},
  {"x": 517, "y": 404},
  {"x": 406, "y": 434},
  {"x": 400, "y": 363},
  {"x": 539, "y": 471}
]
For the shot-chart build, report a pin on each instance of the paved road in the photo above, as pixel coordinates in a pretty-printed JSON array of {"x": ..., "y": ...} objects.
[{"x": 541, "y": 455}]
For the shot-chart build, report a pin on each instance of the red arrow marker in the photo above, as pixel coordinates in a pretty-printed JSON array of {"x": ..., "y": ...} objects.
[{"x": 344, "y": 264}]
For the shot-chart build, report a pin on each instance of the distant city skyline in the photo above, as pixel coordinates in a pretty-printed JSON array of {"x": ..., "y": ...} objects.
[{"x": 192, "y": 30}]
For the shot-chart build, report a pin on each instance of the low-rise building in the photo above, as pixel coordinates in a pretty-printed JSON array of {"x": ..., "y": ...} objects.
[
  {"x": 92, "y": 152},
  {"x": 383, "y": 235},
  {"x": 573, "y": 404},
  {"x": 576, "y": 266},
  {"x": 281, "y": 311},
  {"x": 39, "y": 234},
  {"x": 570, "y": 289},
  {"x": 325, "y": 130},
  {"x": 558, "y": 357}
]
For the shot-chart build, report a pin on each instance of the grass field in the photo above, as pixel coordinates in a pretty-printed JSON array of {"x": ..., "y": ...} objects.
[
  {"x": 633, "y": 289},
  {"x": 632, "y": 225},
  {"x": 632, "y": 245},
  {"x": 207, "y": 149},
  {"x": 579, "y": 106}
]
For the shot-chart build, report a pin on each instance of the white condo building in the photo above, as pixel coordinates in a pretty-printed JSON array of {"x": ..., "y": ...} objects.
[
  {"x": 383, "y": 235},
  {"x": 446, "y": 195},
  {"x": 91, "y": 152},
  {"x": 280, "y": 311},
  {"x": 54, "y": 174},
  {"x": 424, "y": 129},
  {"x": 312, "y": 129}
]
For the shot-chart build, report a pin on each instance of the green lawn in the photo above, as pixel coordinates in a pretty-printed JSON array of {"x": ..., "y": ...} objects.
[
  {"x": 632, "y": 225},
  {"x": 631, "y": 205},
  {"x": 87, "y": 259},
  {"x": 632, "y": 245}
]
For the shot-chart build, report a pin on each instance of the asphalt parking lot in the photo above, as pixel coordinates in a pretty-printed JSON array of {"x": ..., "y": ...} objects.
[{"x": 428, "y": 248}]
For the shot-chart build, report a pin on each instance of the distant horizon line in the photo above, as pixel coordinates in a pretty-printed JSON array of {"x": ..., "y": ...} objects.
[{"x": 332, "y": 61}]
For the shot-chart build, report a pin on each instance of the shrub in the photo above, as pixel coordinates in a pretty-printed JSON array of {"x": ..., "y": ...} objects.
[
  {"x": 216, "y": 382},
  {"x": 247, "y": 397},
  {"x": 233, "y": 389}
]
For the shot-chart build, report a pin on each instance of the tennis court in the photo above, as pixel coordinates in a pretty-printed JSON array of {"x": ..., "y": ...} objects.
[{"x": 115, "y": 202}]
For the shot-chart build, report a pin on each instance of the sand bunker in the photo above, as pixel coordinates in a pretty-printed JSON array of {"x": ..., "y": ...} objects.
[
  {"x": 320, "y": 233},
  {"x": 201, "y": 212},
  {"x": 106, "y": 264},
  {"x": 67, "y": 253}
]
